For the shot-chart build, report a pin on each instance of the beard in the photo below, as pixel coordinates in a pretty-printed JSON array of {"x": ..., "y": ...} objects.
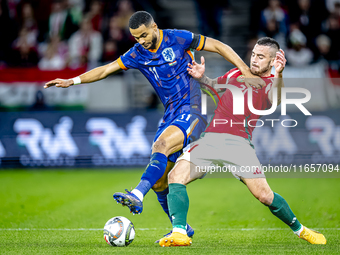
[
  {"x": 153, "y": 42},
  {"x": 261, "y": 71}
]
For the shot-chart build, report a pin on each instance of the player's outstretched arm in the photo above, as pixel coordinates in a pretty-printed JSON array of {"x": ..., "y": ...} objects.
[
  {"x": 279, "y": 64},
  {"x": 93, "y": 75},
  {"x": 230, "y": 55}
]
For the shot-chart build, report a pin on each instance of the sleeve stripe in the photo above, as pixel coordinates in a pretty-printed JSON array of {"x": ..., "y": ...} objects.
[
  {"x": 190, "y": 54},
  {"x": 195, "y": 41},
  {"x": 231, "y": 74},
  {"x": 202, "y": 43},
  {"x": 121, "y": 65},
  {"x": 222, "y": 80}
]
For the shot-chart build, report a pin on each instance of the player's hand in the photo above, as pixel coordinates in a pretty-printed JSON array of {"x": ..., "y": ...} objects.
[
  {"x": 280, "y": 61},
  {"x": 253, "y": 80},
  {"x": 196, "y": 70},
  {"x": 59, "y": 83}
]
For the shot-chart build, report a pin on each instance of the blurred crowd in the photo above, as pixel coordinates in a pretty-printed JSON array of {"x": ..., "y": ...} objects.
[
  {"x": 56, "y": 34},
  {"x": 308, "y": 30},
  {"x": 59, "y": 34}
]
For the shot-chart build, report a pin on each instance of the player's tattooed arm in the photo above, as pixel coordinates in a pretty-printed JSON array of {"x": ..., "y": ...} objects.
[
  {"x": 93, "y": 75},
  {"x": 279, "y": 64},
  {"x": 205, "y": 80},
  {"x": 208, "y": 81}
]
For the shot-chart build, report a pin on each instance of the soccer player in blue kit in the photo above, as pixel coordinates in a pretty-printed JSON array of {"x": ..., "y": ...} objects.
[{"x": 163, "y": 57}]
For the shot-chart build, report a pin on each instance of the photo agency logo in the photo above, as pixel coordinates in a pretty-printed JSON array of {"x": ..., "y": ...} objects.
[{"x": 238, "y": 104}]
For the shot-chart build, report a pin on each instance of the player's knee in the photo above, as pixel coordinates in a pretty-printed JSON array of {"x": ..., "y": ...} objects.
[
  {"x": 159, "y": 146},
  {"x": 160, "y": 185},
  {"x": 173, "y": 177}
]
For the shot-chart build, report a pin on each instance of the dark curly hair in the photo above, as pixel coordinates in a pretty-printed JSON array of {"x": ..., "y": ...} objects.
[{"x": 140, "y": 18}]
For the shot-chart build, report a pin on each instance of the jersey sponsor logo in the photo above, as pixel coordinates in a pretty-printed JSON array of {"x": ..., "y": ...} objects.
[
  {"x": 147, "y": 62},
  {"x": 240, "y": 78},
  {"x": 168, "y": 54}
]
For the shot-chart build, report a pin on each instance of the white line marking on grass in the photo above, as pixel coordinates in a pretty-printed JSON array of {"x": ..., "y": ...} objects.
[{"x": 150, "y": 229}]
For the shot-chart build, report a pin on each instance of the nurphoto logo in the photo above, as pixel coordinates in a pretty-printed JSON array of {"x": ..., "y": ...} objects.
[{"x": 238, "y": 105}]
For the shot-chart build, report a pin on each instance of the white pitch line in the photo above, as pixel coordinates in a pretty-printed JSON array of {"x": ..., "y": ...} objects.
[{"x": 150, "y": 229}]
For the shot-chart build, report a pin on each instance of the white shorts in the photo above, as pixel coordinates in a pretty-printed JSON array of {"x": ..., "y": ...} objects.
[{"x": 216, "y": 152}]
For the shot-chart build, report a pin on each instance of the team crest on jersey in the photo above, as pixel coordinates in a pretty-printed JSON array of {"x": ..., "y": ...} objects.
[
  {"x": 168, "y": 54},
  {"x": 240, "y": 78}
]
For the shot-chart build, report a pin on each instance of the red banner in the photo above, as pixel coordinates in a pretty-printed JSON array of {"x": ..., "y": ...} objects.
[{"x": 36, "y": 75}]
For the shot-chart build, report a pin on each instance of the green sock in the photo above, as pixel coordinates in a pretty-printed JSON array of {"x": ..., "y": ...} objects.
[
  {"x": 178, "y": 202},
  {"x": 281, "y": 209}
]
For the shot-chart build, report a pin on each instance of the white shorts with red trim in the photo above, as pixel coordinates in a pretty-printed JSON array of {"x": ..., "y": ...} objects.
[{"x": 216, "y": 152}]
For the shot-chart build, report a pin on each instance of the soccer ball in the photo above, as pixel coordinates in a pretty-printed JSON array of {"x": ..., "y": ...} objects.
[{"x": 119, "y": 231}]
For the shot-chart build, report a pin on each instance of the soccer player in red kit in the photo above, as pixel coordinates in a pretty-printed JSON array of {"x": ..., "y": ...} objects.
[{"x": 227, "y": 143}]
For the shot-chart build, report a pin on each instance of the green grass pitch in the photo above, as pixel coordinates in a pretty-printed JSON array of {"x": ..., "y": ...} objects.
[{"x": 62, "y": 212}]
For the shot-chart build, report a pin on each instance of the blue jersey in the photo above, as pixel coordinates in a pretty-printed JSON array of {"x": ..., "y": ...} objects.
[{"x": 166, "y": 69}]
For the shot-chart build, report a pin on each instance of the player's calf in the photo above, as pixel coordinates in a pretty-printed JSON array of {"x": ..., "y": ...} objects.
[{"x": 161, "y": 184}]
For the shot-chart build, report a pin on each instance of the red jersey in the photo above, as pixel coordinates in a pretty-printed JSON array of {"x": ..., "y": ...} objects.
[{"x": 224, "y": 121}]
